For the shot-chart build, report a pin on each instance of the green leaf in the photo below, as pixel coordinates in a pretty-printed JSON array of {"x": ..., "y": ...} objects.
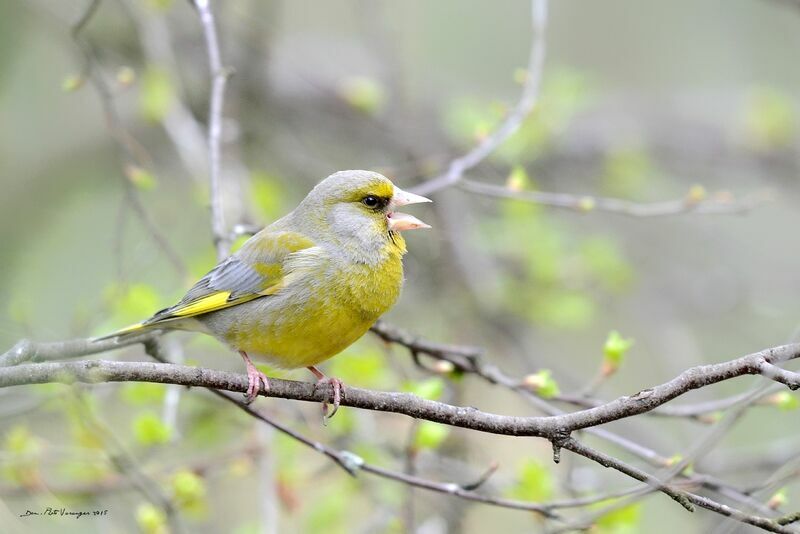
[
  {"x": 126, "y": 76},
  {"x": 156, "y": 93},
  {"x": 150, "y": 430},
  {"x": 83, "y": 471},
  {"x": 563, "y": 95},
  {"x": 20, "y": 442},
  {"x": 267, "y": 195},
  {"x": 518, "y": 179},
  {"x": 364, "y": 366},
  {"x": 534, "y": 482},
  {"x": 627, "y": 171},
  {"x": 329, "y": 514},
  {"x": 133, "y": 303},
  {"x": 430, "y": 435},
  {"x": 604, "y": 262},
  {"x": 22, "y": 450},
  {"x": 151, "y": 520},
  {"x": 73, "y": 82},
  {"x": 770, "y": 118},
  {"x": 697, "y": 193},
  {"x": 778, "y": 499},
  {"x": 623, "y": 520},
  {"x": 615, "y": 348},
  {"x": 189, "y": 491},
  {"x": 159, "y": 5},
  {"x": 542, "y": 383},
  {"x": 563, "y": 309},
  {"x": 238, "y": 242},
  {"x": 19, "y": 309},
  {"x": 785, "y": 401},
  {"x": 140, "y": 178},
  {"x": 430, "y": 388},
  {"x": 363, "y": 94},
  {"x": 142, "y": 393}
]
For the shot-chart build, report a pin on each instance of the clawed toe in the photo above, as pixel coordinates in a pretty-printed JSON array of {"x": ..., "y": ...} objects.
[
  {"x": 254, "y": 382},
  {"x": 337, "y": 389},
  {"x": 255, "y": 379}
]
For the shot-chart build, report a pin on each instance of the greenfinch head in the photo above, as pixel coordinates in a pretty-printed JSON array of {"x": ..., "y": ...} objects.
[{"x": 357, "y": 209}]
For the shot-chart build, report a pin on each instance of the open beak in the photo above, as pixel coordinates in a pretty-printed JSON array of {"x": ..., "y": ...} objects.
[{"x": 403, "y": 221}]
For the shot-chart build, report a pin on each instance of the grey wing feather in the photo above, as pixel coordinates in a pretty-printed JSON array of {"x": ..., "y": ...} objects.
[{"x": 231, "y": 275}]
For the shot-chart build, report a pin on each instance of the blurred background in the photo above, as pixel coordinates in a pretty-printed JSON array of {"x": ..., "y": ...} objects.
[{"x": 104, "y": 219}]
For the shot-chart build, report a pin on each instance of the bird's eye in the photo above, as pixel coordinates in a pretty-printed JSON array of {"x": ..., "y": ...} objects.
[{"x": 371, "y": 201}]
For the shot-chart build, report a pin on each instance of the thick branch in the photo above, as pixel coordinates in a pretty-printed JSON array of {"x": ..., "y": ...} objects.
[{"x": 551, "y": 427}]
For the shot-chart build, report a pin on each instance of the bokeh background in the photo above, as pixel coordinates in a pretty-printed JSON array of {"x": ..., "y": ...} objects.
[{"x": 103, "y": 222}]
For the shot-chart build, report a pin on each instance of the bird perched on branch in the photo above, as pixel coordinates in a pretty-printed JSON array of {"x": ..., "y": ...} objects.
[{"x": 307, "y": 286}]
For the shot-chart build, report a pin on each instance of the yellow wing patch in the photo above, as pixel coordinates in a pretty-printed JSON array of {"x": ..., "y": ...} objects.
[
  {"x": 217, "y": 301},
  {"x": 212, "y": 302}
]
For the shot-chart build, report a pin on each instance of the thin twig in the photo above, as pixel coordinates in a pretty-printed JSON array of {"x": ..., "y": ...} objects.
[
  {"x": 128, "y": 466},
  {"x": 527, "y": 101},
  {"x": 219, "y": 78},
  {"x": 179, "y": 123},
  {"x": 352, "y": 463},
  {"x": 714, "y": 205},
  {"x": 130, "y": 147},
  {"x": 684, "y": 498}
]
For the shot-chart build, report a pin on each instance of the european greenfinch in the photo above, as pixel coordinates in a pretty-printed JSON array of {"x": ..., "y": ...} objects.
[{"x": 307, "y": 286}]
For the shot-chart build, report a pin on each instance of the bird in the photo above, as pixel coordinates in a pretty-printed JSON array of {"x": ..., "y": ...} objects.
[{"x": 307, "y": 286}]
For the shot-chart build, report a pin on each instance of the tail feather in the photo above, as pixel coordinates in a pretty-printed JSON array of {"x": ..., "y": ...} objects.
[{"x": 128, "y": 330}]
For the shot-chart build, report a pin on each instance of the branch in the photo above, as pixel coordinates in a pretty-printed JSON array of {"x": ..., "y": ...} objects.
[
  {"x": 551, "y": 427},
  {"x": 685, "y": 498},
  {"x": 219, "y": 77},
  {"x": 179, "y": 123},
  {"x": 352, "y": 463},
  {"x": 554, "y": 428},
  {"x": 454, "y": 175},
  {"x": 26, "y": 350},
  {"x": 716, "y": 205},
  {"x": 132, "y": 150},
  {"x": 463, "y": 357},
  {"x": 527, "y": 101}
]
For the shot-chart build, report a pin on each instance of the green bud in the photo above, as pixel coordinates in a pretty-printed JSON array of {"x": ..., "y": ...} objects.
[
  {"x": 542, "y": 383},
  {"x": 614, "y": 351}
]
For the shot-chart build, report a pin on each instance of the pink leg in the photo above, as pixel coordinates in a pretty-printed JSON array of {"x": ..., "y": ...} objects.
[
  {"x": 254, "y": 379},
  {"x": 336, "y": 385}
]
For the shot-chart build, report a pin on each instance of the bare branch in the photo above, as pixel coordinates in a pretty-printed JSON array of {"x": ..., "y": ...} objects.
[
  {"x": 684, "y": 498},
  {"x": 550, "y": 427},
  {"x": 391, "y": 334},
  {"x": 179, "y": 123},
  {"x": 527, "y": 101},
  {"x": 26, "y": 350},
  {"x": 130, "y": 147},
  {"x": 352, "y": 463},
  {"x": 219, "y": 78},
  {"x": 556, "y": 428},
  {"x": 715, "y": 205}
]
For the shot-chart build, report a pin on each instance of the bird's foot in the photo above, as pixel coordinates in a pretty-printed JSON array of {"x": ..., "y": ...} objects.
[
  {"x": 337, "y": 387},
  {"x": 254, "y": 379}
]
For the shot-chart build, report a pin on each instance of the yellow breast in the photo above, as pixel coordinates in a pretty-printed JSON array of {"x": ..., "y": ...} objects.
[{"x": 317, "y": 317}]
